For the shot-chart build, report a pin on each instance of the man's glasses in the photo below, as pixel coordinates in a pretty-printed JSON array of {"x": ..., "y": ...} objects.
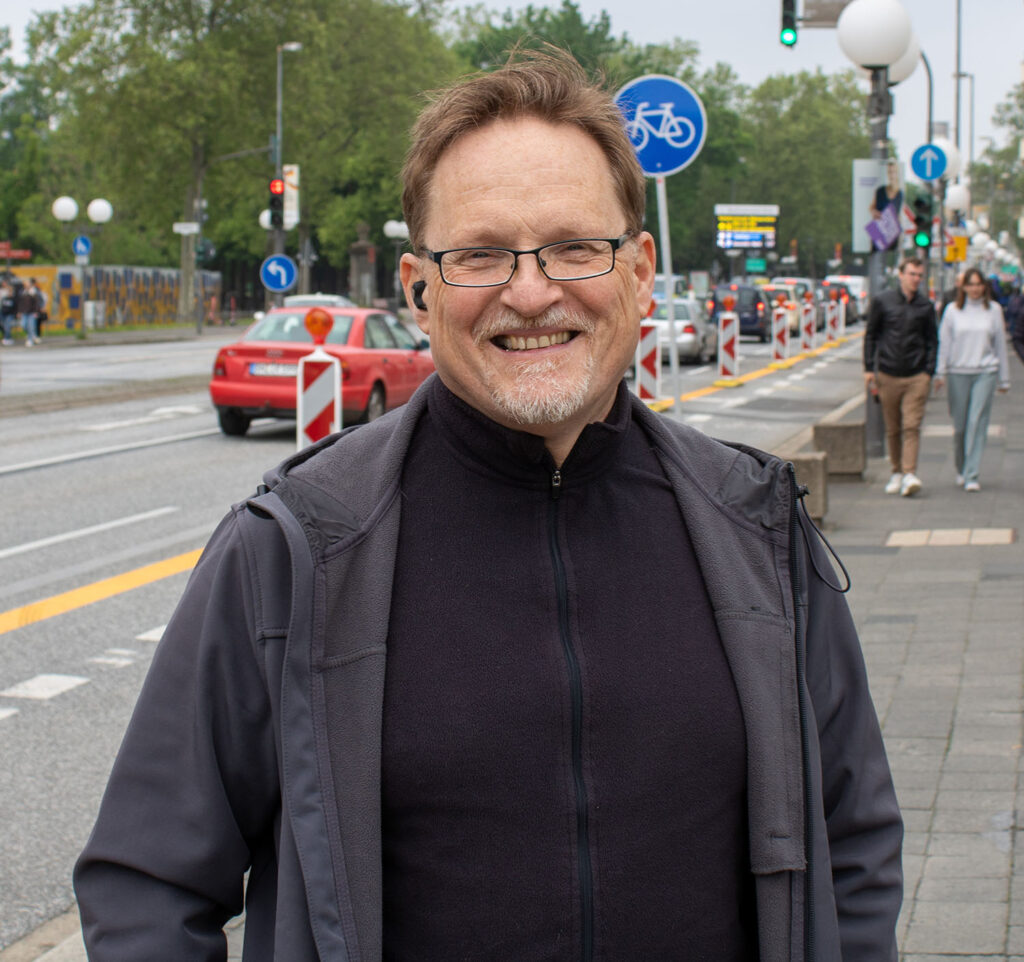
[{"x": 570, "y": 260}]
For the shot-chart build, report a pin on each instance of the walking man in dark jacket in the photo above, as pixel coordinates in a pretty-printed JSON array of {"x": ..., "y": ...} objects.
[
  {"x": 521, "y": 671},
  {"x": 900, "y": 350}
]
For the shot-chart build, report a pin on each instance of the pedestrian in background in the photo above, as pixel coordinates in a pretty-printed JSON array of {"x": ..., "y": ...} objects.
[
  {"x": 8, "y": 310},
  {"x": 972, "y": 357},
  {"x": 29, "y": 304},
  {"x": 900, "y": 347}
]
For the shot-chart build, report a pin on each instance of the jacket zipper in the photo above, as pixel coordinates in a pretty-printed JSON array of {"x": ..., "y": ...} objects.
[
  {"x": 796, "y": 578},
  {"x": 576, "y": 696}
]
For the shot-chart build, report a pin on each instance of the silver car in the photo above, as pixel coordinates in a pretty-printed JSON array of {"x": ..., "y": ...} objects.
[{"x": 696, "y": 337}]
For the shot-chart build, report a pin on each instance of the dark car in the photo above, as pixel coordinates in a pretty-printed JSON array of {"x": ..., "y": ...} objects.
[{"x": 752, "y": 306}]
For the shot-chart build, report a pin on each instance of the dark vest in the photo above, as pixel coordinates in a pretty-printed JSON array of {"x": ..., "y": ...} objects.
[{"x": 564, "y": 761}]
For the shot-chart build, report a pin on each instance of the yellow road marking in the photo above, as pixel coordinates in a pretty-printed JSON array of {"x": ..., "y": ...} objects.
[
  {"x": 664, "y": 404},
  {"x": 97, "y": 591}
]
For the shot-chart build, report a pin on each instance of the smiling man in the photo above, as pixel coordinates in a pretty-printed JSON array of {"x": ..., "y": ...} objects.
[{"x": 521, "y": 671}]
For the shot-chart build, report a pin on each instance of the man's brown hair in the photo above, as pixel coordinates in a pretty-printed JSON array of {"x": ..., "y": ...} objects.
[
  {"x": 908, "y": 261},
  {"x": 548, "y": 85}
]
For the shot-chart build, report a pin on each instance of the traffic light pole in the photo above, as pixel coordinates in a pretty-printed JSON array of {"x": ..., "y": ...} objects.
[
  {"x": 879, "y": 108},
  {"x": 278, "y": 163}
]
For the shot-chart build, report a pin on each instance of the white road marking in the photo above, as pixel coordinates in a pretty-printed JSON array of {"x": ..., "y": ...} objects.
[
  {"x": 112, "y": 661},
  {"x": 113, "y": 449},
  {"x": 154, "y": 634},
  {"x": 159, "y": 414},
  {"x": 84, "y": 532},
  {"x": 123, "y": 652},
  {"x": 43, "y": 687},
  {"x": 7, "y": 712},
  {"x": 697, "y": 418}
]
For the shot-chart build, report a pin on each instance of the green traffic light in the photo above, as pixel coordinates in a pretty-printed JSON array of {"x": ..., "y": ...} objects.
[
  {"x": 788, "y": 36},
  {"x": 923, "y": 238}
]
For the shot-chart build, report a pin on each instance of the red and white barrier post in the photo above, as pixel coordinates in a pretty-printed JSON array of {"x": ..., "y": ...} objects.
[
  {"x": 832, "y": 316},
  {"x": 648, "y": 363},
  {"x": 780, "y": 330},
  {"x": 728, "y": 343},
  {"x": 318, "y": 385},
  {"x": 842, "y": 317},
  {"x": 807, "y": 323}
]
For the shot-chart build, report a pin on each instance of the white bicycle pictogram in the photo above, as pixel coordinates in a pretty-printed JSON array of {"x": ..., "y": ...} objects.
[{"x": 675, "y": 131}]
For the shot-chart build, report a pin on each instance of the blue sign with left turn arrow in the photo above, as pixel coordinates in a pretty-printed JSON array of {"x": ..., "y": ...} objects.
[{"x": 278, "y": 273}]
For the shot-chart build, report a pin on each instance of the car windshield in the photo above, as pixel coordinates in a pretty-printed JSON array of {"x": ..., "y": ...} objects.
[
  {"x": 318, "y": 300},
  {"x": 292, "y": 327},
  {"x": 681, "y": 312}
]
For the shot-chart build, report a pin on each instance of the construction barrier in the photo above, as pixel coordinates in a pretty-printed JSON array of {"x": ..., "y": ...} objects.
[
  {"x": 780, "y": 334},
  {"x": 728, "y": 347},
  {"x": 318, "y": 385},
  {"x": 831, "y": 320},
  {"x": 648, "y": 363},
  {"x": 807, "y": 327}
]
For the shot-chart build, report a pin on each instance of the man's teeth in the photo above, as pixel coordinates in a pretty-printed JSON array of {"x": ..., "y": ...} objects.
[{"x": 512, "y": 343}]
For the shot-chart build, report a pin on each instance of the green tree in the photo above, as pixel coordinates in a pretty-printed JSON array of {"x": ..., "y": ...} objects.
[{"x": 808, "y": 127}]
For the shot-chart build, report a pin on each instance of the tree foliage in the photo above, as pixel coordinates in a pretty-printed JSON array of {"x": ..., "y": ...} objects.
[{"x": 151, "y": 102}]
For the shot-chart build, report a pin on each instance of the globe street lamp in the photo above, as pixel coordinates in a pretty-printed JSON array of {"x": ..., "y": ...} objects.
[
  {"x": 278, "y": 162},
  {"x": 99, "y": 211},
  {"x": 875, "y": 34}
]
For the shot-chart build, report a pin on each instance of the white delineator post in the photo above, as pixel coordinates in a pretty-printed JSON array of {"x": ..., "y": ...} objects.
[
  {"x": 832, "y": 317},
  {"x": 728, "y": 343},
  {"x": 648, "y": 363},
  {"x": 780, "y": 331},
  {"x": 807, "y": 323},
  {"x": 318, "y": 385}
]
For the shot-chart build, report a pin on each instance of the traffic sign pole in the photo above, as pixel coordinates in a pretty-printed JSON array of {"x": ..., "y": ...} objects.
[
  {"x": 670, "y": 307},
  {"x": 667, "y": 126}
]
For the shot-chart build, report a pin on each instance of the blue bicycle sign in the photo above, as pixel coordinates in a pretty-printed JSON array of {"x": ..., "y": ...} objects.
[
  {"x": 665, "y": 121},
  {"x": 676, "y": 131}
]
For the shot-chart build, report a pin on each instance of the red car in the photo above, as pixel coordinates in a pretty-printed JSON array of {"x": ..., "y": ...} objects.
[{"x": 381, "y": 365}]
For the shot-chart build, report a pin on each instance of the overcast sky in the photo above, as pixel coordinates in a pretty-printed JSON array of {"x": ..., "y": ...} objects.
[{"x": 744, "y": 33}]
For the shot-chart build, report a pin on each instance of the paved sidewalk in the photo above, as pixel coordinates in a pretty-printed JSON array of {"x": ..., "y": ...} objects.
[
  {"x": 938, "y": 596},
  {"x": 942, "y": 625}
]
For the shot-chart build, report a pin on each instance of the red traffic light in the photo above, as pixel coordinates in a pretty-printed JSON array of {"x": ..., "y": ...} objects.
[{"x": 277, "y": 186}]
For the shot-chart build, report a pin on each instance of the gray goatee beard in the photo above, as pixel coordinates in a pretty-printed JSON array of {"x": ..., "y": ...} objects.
[{"x": 543, "y": 390}]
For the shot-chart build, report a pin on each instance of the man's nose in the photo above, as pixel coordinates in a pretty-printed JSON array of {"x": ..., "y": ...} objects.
[{"x": 530, "y": 292}]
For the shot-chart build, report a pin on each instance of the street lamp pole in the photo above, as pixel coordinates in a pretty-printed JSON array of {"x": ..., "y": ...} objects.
[{"x": 278, "y": 155}]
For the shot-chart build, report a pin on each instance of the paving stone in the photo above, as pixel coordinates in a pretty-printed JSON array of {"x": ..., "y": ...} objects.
[{"x": 957, "y": 928}]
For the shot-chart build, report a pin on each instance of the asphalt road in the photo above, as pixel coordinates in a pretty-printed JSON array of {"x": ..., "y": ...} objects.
[{"x": 95, "y": 495}]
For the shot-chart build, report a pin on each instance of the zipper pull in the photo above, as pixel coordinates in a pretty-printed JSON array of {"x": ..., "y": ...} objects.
[{"x": 556, "y": 484}]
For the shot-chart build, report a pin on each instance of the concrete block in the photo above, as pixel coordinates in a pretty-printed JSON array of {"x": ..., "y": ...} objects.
[
  {"x": 845, "y": 446},
  {"x": 812, "y": 472}
]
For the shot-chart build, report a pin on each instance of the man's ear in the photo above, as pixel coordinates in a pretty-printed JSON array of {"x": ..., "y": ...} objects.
[
  {"x": 644, "y": 270},
  {"x": 411, "y": 275}
]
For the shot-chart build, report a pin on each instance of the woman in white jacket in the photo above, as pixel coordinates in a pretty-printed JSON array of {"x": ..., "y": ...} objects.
[{"x": 972, "y": 356}]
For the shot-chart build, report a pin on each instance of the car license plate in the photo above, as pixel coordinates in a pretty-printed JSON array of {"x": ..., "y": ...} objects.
[{"x": 272, "y": 369}]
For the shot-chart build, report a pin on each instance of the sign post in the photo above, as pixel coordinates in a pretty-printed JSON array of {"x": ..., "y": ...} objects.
[{"x": 667, "y": 126}]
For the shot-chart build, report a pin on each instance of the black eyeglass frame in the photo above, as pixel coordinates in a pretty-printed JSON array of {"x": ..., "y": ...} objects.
[{"x": 615, "y": 242}]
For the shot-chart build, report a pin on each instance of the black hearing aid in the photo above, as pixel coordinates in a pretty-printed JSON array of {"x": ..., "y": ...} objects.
[{"x": 417, "y": 294}]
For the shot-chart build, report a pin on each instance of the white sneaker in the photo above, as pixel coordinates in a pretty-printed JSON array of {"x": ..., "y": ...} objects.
[
  {"x": 959, "y": 480},
  {"x": 893, "y": 487},
  {"x": 972, "y": 486},
  {"x": 7, "y": 341},
  {"x": 911, "y": 485}
]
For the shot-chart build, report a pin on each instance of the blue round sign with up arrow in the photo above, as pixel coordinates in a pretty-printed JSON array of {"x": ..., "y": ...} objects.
[
  {"x": 928, "y": 162},
  {"x": 666, "y": 123},
  {"x": 278, "y": 273}
]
